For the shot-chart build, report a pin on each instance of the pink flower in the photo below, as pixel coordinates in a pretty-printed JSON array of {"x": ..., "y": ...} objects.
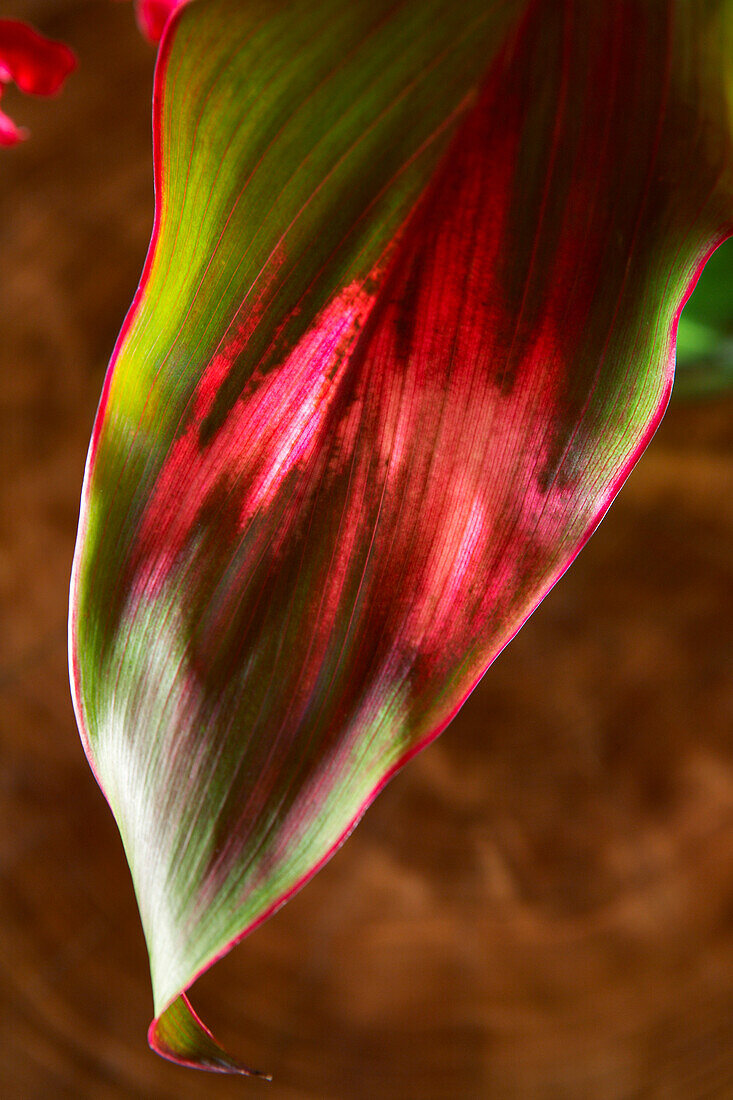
[
  {"x": 38, "y": 65},
  {"x": 152, "y": 16}
]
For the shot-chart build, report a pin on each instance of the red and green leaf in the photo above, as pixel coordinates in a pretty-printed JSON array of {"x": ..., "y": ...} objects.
[{"x": 406, "y": 323}]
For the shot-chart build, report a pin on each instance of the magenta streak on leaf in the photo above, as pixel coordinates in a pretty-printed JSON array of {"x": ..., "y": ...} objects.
[
  {"x": 274, "y": 428},
  {"x": 38, "y": 65}
]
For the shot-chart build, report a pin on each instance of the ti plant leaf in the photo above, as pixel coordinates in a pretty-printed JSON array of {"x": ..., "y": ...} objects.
[
  {"x": 406, "y": 323},
  {"x": 37, "y": 65}
]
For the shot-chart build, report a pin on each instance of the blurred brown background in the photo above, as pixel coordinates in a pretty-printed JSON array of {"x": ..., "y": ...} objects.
[{"x": 540, "y": 906}]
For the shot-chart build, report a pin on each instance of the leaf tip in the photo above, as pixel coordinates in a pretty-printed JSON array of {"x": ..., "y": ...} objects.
[{"x": 179, "y": 1035}]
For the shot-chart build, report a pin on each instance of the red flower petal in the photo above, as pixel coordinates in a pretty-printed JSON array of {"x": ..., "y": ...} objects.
[
  {"x": 38, "y": 65},
  {"x": 10, "y": 134},
  {"x": 152, "y": 16}
]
